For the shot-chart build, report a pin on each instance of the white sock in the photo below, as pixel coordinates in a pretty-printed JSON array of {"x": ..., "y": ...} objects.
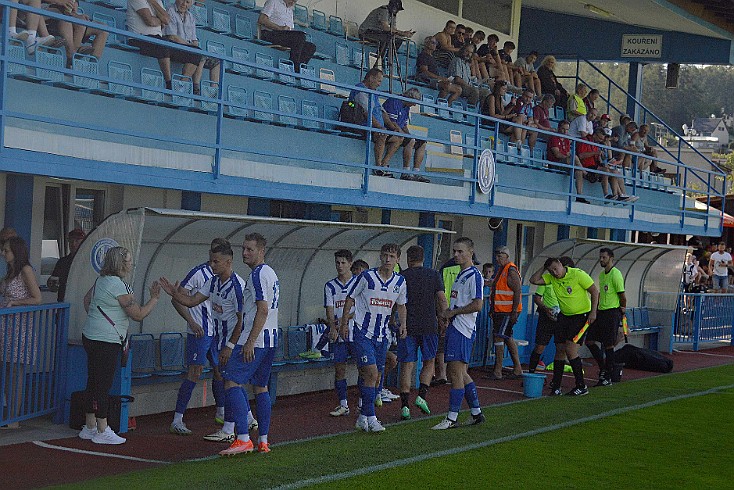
[
  {"x": 476, "y": 411},
  {"x": 344, "y": 403},
  {"x": 372, "y": 418},
  {"x": 228, "y": 428},
  {"x": 13, "y": 31},
  {"x": 452, "y": 416},
  {"x": 264, "y": 439},
  {"x": 31, "y": 37},
  {"x": 220, "y": 412},
  {"x": 250, "y": 417},
  {"x": 243, "y": 437},
  {"x": 177, "y": 418}
]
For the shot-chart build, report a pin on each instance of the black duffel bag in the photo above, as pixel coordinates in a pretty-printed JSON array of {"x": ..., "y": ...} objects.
[
  {"x": 77, "y": 416},
  {"x": 643, "y": 359}
]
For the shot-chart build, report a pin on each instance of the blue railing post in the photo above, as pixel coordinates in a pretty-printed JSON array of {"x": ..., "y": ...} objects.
[
  {"x": 473, "y": 195},
  {"x": 4, "y": 72},
  {"x": 63, "y": 347},
  {"x": 220, "y": 120},
  {"x": 368, "y": 147},
  {"x": 697, "y": 320}
]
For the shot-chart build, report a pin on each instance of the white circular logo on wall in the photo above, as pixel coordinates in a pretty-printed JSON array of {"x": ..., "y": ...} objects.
[
  {"x": 99, "y": 250},
  {"x": 486, "y": 172}
]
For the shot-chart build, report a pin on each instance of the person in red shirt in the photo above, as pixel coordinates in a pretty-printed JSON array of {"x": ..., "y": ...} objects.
[{"x": 588, "y": 157}]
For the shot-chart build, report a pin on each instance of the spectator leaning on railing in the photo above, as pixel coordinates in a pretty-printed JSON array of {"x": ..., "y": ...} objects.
[
  {"x": 276, "y": 22},
  {"x": 17, "y": 344}
]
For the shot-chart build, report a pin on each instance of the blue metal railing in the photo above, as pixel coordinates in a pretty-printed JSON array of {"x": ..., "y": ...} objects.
[
  {"x": 479, "y": 125},
  {"x": 704, "y": 318},
  {"x": 33, "y": 344}
]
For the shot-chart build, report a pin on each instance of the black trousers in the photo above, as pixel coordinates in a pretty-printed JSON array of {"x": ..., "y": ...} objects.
[
  {"x": 102, "y": 360},
  {"x": 301, "y": 50}
]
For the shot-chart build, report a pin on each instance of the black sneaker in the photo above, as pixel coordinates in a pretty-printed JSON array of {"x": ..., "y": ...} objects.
[
  {"x": 476, "y": 419},
  {"x": 555, "y": 391},
  {"x": 604, "y": 382},
  {"x": 578, "y": 391},
  {"x": 582, "y": 200}
]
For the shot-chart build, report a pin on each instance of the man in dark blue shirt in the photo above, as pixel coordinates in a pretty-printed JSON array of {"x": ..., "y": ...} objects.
[
  {"x": 399, "y": 112},
  {"x": 426, "y": 299}
]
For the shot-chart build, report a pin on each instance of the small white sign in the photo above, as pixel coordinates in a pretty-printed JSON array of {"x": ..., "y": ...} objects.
[{"x": 642, "y": 46}]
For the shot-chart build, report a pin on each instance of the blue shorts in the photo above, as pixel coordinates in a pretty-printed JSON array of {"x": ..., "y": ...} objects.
[
  {"x": 720, "y": 282},
  {"x": 199, "y": 349},
  {"x": 369, "y": 351},
  {"x": 256, "y": 372},
  {"x": 408, "y": 347},
  {"x": 342, "y": 351},
  {"x": 458, "y": 347}
]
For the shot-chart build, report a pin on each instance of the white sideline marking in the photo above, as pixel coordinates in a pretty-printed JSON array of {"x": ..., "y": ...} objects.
[
  {"x": 95, "y": 453},
  {"x": 703, "y": 353},
  {"x": 492, "y": 442},
  {"x": 498, "y": 389}
]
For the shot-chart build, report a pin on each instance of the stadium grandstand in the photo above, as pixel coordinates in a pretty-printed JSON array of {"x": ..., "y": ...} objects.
[{"x": 94, "y": 135}]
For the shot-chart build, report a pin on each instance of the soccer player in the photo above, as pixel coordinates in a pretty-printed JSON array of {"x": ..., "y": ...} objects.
[
  {"x": 578, "y": 298},
  {"x": 253, "y": 349},
  {"x": 199, "y": 345},
  {"x": 612, "y": 303},
  {"x": 225, "y": 291},
  {"x": 373, "y": 295},
  {"x": 466, "y": 301},
  {"x": 426, "y": 300},
  {"x": 335, "y": 293}
]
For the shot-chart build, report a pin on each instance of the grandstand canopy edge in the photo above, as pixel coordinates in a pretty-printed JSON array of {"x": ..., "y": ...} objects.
[
  {"x": 645, "y": 267},
  {"x": 169, "y": 242}
]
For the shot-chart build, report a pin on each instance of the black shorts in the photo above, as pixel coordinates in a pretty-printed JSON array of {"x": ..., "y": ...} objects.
[
  {"x": 501, "y": 325},
  {"x": 604, "y": 329},
  {"x": 568, "y": 326},
  {"x": 149, "y": 49},
  {"x": 545, "y": 330}
]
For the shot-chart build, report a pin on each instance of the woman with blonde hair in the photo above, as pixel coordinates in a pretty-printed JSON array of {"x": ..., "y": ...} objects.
[
  {"x": 549, "y": 84},
  {"x": 110, "y": 305}
]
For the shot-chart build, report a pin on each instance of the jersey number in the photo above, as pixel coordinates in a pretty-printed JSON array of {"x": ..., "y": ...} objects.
[{"x": 276, "y": 296}]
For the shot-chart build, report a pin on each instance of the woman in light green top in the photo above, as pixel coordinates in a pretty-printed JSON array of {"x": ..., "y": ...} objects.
[{"x": 110, "y": 305}]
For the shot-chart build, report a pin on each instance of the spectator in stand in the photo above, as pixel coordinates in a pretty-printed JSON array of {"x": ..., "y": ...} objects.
[
  {"x": 460, "y": 69},
  {"x": 428, "y": 71},
  {"x": 625, "y": 143},
  {"x": 495, "y": 107},
  {"x": 478, "y": 68},
  {"x": 591, "y": 98},
  {"x": 458, "y": 40},
  {"x": 5, "y": 234},
  {"x": 589, "y": 157},
  {"x": 182, "y": 30},
  {"x": 528, "y": 73},
  {"x": 514, "y": 72},
  {"x": 524, "y": 109},
  {"x": 644, "y": 131},
  {"x": 445, "y": 50},
  {"x": 576, "y": 105},
  {"x": 603, "y": 123},
  {"x": 469, "y": 35},
  {"x": 148, "y": 17},
  {"x": 17, "y": 346},
  {"x": 376, "y": 28},
  {"x": 33, "y": 27},
  {"x": 582, "y": 127},
  {"x": 74, "y": 35},
  {"x": 541, "y": 112},
  {"x": 399, "y": 112},
  {"x": 385, "y": 145},
  {"x": 489, "y": 55},
  {"x": 59, "y": 276},
  {"x": 276, "y": 24},
  {"x": 549, "y": 84},
  {"x": 559, "y": 148}
]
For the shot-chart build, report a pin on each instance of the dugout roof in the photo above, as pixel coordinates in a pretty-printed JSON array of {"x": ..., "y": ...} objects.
[
  {"x": 169, "y": 242},
  {"x": 645, "y": 268}
]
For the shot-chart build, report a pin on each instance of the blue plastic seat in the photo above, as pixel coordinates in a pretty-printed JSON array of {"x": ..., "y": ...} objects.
[
  {"x": 210, "y": 90},
  {"x": 286, "y": 65},
  {"x": 262, "y": 59},
  {"x": 123, "y": 73},
  {"x": 428, "y": 109},
  {"x": 263, "y": 103},
  {"x": 171, "y": 348},
  {"x": 243, "y": 28},
  {"x": 221, "y": 21},
  {"x": 154, "y": 79},
  {"x": 16, "y": 50},
  {"x": 237, "y": 96},
  {"x": 309, "y": 71},
  {"x": 84, "y": 64},
  {"x": 336, "y": 26},
  {"x": 247, "y": 4},
  {"x": 458, "y": 116},
  {"x": 216, "y": 49},
  {"x": 343, "y": 53},
  {"x": 200, "y": 14},
  {"x": 142, "y": 355},
  {"x": 288, "y": 105},
  {"x": 185, "y": 86},
  {"x": 300, "y": 15},
  {"x": 332, "y": 114},
  {"x": 240, "y": 54},
  {"x": 318, "y": 20},
  {"x": 55, "y": 60},
  {"x": 113, "y": 41},
  {"x": 310, "y": 109}
]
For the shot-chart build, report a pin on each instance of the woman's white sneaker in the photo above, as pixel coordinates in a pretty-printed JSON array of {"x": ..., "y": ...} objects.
[
  {"x": 107, "y": 437},
  {"x": 86, "y": 433}
]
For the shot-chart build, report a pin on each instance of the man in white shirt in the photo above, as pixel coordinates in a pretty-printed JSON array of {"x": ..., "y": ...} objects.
[
  {"x": 719, "y": 264},
  {"x": 148, "y": 17},
  {"x": 583, "y": 126},
  {"x": 276, "y": 24}
]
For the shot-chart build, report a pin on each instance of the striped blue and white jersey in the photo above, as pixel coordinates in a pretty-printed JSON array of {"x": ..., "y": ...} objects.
[
  {"x": 466, "y": 288},
  {"x": 261, "y": 285},
  {"x": 374, "y": 300},
  {"x": 201, "y": 313},
  {"x": 227, "y": 300},
  {"x": 335, "y": 294}
]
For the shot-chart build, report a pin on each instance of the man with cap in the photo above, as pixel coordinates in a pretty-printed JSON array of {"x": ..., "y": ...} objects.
[
  {"x": 60, "y": 274},
  {"x": 507, "y": 294},
  {"x": 603, "y": 122}
]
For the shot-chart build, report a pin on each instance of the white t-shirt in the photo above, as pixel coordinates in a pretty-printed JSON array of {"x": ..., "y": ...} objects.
[
  {"x": 135, "y": 22},
  {"x": 262, "y": 285},
  {"x": 278, "y": 13},
  {"x": 720, "y": 260},
  {"x": 689, "y": 272},
  {"x": 227, "y": 300},
  {"x": 467, "y": 287},
  {"x": 581, "y": 123},
  {"x": 202, "y": 313},
  {"x": 374, "y": 300},
  {"x": 335, "y": 294}
]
